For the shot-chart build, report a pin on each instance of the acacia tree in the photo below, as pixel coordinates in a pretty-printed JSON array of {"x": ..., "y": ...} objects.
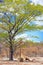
[{"x": 15, "y": 18}]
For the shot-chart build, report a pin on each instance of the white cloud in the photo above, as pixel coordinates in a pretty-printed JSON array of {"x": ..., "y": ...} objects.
[
  {"x": 21, "y": 36},
  {"x": 40, "y": 17},
  {"x": 39, "y": 20},
  {"x": 41, "y": 30},
  {"x": 27, "y": 38},
  {"x": 24, "y": 35},
  {"x": 38, "y": 2},
  {"x": 39, "y": 23}
]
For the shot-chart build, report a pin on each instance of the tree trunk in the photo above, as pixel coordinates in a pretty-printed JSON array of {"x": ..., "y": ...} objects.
[
  {"x": 11, "y": 46},
  {"x": 11, "y": 52}
]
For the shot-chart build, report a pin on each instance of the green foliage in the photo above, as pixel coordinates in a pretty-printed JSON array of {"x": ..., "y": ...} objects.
[
  {"x": 24, "y": 13},
  {"x": 3, "y": 35}
]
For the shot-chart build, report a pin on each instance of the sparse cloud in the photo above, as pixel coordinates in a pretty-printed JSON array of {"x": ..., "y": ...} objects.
[
  {"x": 21, "y": 36},
  {"x": 38, "y": 2},
  {"x": 39, "y": 23}
]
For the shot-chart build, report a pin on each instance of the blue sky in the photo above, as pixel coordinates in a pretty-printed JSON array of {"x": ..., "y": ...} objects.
[
  {"x": 37, "y": 32},
  {"x": 28, "y": 34}
]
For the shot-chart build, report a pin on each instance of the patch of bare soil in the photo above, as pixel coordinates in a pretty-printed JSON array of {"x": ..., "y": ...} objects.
[{"x": 33, "y": 61}]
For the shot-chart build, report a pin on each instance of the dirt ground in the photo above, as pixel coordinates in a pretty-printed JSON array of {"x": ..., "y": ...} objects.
[{"x": 36, "y": 61}]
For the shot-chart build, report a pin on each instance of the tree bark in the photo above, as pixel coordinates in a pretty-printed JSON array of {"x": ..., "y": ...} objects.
[
  {"x": 11, "y": 52},
  {"x": 11, "y": 48}
]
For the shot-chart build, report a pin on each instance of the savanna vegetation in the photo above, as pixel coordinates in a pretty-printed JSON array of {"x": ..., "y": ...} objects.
[{"x": 15, "y": 16}]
